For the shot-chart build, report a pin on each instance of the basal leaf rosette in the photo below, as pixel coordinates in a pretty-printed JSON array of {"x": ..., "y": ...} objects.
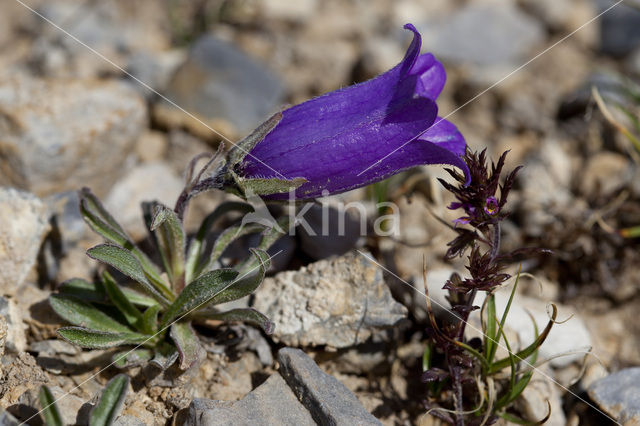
[{"x": 154, "y": 308}]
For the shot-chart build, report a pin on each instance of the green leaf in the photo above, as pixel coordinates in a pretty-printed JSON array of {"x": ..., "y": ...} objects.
[
  {"x": 83, "y": 314},
  {"x": 529, "y": 350},
  {"x": 150, "y": 319},
  {"x": 132, "y": 358},
  {"x": 199, "y": 293},
  {"x": 426, "y": 356},
  {"x": 269, "y": 237},
  {"x": 517, "y": 388},
  {"x": 105, "y": 225},
  {"x": 95, "y": 292},
  {"x": 111, "y": 401},
  {"x": 117, "y": 296},
  {"x": 126, "y": 263},
  {"x": 228, "y": 236},
  {"x": 84, "y": 290},
  {"x": 268, "y": 186},
  {"x": 165, "y": 355},
  {"x": 99, "y": 339},
  {"x": 50, "y": 410},
  {"x": 138, "y": 298},
  {"x": 242, "y": 148},
  {"x": 187, "y": 343},
  {"x": 171, "y": 243},
  {"x": 491, "y": 337},
  {"x": 194, "y": 258},
  {"x": 248, "y": 315},
  {"x": 99, "y": 219},
  {"x": 246, "y": 283},
  {"x": 506, "y": 310}
]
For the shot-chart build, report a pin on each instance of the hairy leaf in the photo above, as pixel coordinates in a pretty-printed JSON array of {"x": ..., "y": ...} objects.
[
  {"x": 126, "y": 263},
  {"x": 248, "y": 315},
  {"x": 119, "y": 299},
  {"x": 228, "y": 236},
  {"x": 150, "y": 319},
  {"x": 242, "y": 148},
  {"x": 111, "y": 401},
  {"x": 171, "y": 243},
  {"x": 165, "y": 355},
  {"x": 99, "y": 219},
  {"x": 82, "y": 289},
  {"x": 83, "y": 314},
  {"x": 95, "y": 292},
  {"x": 269, "y": 237},
  {"x": 194, "y": 258},
  {"x": 246, "y": 283},
  {"x": 199, "y": 293},
  {"x": 93, "y": 339},
  {"x": 187, "y": 343}
]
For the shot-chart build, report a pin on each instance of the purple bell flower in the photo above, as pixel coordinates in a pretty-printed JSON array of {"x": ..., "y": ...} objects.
[{"x": 361, "y": 134}]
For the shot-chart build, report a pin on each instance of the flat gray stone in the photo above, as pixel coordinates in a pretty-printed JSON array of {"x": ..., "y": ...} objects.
[
  {"x": 60, "y": 135},
  {"x": 271, "y": 403},
  {"x": 24, "y": 220},
  {"x": 338, "y": 302},
  {"x": 619, "y": 28},
  {"x": 145, "y": 182},
  {"x": 484, "y": 34},
  {"x": 328, "y": 400},
  {"x": 220, "y": 82},
  {"x": 6, "y": 419},
  {"x": 619, "y": 395}
]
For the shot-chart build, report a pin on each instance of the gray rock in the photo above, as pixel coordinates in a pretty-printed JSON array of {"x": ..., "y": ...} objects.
[
  {"x": 271, "y": 403},
  {"x": 69, "y": 405},
  {"x": 485, "y": 34},
  {"x": 117, "y": 30},
  {"x": 6, "y": 419},
  {"x": 53, "y": 347},
  {"x": 339, "y": 302},
  {"x": 326, "y": 231},
  {"x": 67, "y": 219},
  {"x": 24, "y": 220},
  {"x": 146, "y": 182},
  {"x": 220, "y": 82},
  {"x": 154, "y": 69},
  {"x": 16, "y": 338},
  {"x": 619, "y": 395},
  {"x": 534, "y": 400},
  {"x": 68, "y": 228},
  {"x": 619, "y": 28},
  {"x": 328, "y": 400},
  {"x": 60, "y": 135}
]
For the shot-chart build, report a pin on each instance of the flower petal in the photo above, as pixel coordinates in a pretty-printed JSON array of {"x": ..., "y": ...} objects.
[
  {"x": 416, "y": 153},
  {"x": 446, "y": 135},
  {"x": 361, "y": 134},
  {"x": 431, "y": 76},
  {"x": 336, "y": 162},
  {"x": 337, "y": 111}
]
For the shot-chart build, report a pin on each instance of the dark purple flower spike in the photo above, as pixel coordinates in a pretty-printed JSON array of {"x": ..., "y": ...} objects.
[{"x": 358, "y": 135}]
